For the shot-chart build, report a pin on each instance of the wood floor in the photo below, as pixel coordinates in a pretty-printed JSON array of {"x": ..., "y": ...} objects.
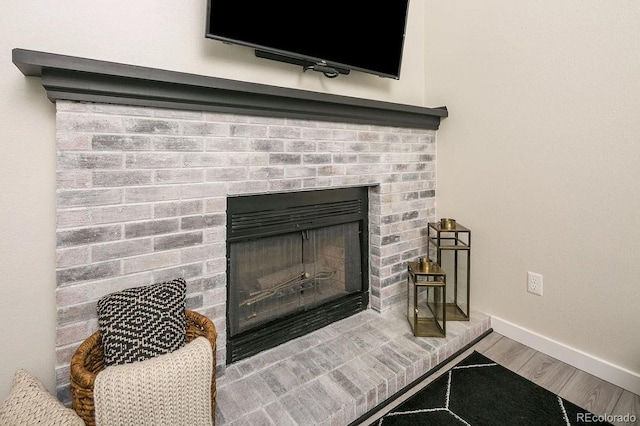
[{"x": 583, "y": 389}]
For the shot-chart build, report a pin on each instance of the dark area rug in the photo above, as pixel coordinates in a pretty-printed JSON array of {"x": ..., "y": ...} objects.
[{"x": 479, "y": 392}]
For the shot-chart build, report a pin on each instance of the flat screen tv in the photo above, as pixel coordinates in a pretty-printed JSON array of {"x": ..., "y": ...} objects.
[{"x": 332, "y": 38}]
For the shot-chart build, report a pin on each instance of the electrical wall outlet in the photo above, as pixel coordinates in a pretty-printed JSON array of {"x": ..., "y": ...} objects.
[{"x": 534, "y": 283}]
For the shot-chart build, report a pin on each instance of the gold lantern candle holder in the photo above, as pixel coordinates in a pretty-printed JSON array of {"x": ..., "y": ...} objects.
[
  {"x": 426, "y": 310},
  {"x": 452, "y": 245}
]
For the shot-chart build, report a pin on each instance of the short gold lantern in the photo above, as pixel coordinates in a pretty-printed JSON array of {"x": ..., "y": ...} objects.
[{"x": 426, "y": 312}]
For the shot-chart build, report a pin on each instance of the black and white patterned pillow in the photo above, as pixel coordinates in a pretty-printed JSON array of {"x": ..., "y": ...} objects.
[{"x": 142, "y": 322}]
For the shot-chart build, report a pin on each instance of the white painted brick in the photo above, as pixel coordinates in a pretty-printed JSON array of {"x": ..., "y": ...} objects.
[
  {"x": 72, "y": 141},
  {"x": 120, "y": 143},
  {"x": 97, "y": 289},
  {"x": 317, "y": 182},
  {"x": 76, "y": 313},
  {"x": 73, "y": 295},
  {"x": 285, "y": 185},
  {"x": 123, "y": 213},
  {"x": 179, "y": 176},
  {"x": 226, "y": 144},
  {"x": 208, "y": 159},
  {"x": 391, "y": 137},
  {"x": 284, "y": 132},
  {"x": 216, "y": 297},
  {"x": 206, "y": 190},
  {"x": 122, "y": 178},
  {"x": 151, "y": 126},
  {"x": 178, "y": 144},
  {"x": 204, "y": 128},
  {"x": 177, "y": 208},
  {"x": 73, "y": 179},
  {"x": 88, "y": 123},
  {"x": 344, "y": 135},
  {"x": 198, "y": 253},
  {"x": 186, "y": 271},
  {"x": 301, "y": 146},
  {"x": 73, "y": 333},
  {"x": 151, "y": 262},
  {"x": 369, "y": 158},
  {"x": 264, "y": 120},
  {"x": 119, "y": 249},
  {"x": 299, "y": 171},
  {"x": 216, "y": 234},
  {"x": 224, "y": 118},
  {"x": 156, "y": 160},
  {"x": 369, "y": 136},
  {"x": 248, "y": 187},
  {"x": 227, "y": 174},
  {"x": 100, "y": 160},
  {"x": 302, "y": 123},
  {"x": 151, "y": 194},
  {"x": 66, "y": 106},
  {"x": 87, "y": 235},
  {"x": 316, "y": 158},
  {"x": 89, "y": 272},
  {"x": 252, "y": 159},
  {"x": 216, "y": 265},
  {"x": 263, "y": 173},
  {"x": 116, "y": 109},
  {"x": 174, "y": 113},
  {"x": 218, "y": 204},
  {"x": 73, "y": 218},
  {"x": 249, "y": 130},
  {"x": 266, "y": 145},
  {"x": 332, "y": 170},
  {"x": 177, "y": 241},
  {"x": 359, "y": 146},
  {"x": 75, "y": 256},
  {"x": 330, "y": 146},
  {"x": 317, "y": 134},
  {"x": 151, "y": 227}
]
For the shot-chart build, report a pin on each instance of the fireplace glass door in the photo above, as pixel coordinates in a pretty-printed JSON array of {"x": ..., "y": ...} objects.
[{"x": 276, "y": 276}]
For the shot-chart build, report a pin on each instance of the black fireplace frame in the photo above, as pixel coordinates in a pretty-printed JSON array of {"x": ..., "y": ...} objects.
[{"x": 257, "y": 216}]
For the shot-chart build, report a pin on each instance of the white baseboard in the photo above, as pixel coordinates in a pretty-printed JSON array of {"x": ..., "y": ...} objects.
[{"x": 605, "y": 370}]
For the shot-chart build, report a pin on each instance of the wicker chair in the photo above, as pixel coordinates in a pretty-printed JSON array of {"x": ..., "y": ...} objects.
[{"x": 88, "y": 361}]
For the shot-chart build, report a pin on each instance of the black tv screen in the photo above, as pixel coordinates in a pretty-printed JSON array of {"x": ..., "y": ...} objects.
[{"x": 357, "y": 35}]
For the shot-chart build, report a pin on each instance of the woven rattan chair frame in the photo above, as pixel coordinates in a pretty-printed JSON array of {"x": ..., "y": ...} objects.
[{"x": 88, "y": 361}]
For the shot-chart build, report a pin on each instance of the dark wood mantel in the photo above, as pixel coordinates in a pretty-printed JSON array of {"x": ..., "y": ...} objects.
[{"x": 82, "y": 79}]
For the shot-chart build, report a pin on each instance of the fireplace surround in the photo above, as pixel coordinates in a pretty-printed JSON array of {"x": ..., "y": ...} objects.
[{"x": 147, "y": 159}]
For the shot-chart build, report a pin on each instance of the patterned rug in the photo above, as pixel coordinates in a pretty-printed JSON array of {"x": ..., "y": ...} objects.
[{"x": 479, "y": 392}]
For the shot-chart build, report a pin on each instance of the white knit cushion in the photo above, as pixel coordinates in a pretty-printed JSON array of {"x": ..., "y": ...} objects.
[
  {"x": 29, "y": 403},
  {"x": 169, "y": 390}
]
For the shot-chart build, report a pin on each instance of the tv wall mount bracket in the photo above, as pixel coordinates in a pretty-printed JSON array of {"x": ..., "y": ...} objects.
[{"x": 327, "y": 70}]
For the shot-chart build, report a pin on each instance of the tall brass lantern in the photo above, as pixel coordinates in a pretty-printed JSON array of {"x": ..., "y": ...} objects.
[{"x": 452, "y": 244}]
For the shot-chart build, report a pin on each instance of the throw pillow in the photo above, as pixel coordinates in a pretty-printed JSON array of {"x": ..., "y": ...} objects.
[
  {"x": 142, "y": 322},
  {"x": 29, "y": 403}
]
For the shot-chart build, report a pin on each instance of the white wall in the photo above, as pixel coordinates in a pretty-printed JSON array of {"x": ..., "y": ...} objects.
[
  {"x": 168, "y": 35},
  {"x": 540, "y": 157}
]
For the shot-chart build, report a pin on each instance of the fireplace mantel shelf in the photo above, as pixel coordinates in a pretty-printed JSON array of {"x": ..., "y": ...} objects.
[{"x": 81, "y": 79}]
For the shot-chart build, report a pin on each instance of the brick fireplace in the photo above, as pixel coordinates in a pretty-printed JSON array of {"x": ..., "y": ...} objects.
[{"x": 142, "y": 185}]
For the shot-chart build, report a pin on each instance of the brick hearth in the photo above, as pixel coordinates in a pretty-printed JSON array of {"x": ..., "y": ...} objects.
[{"x": 333, "y": 376}]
